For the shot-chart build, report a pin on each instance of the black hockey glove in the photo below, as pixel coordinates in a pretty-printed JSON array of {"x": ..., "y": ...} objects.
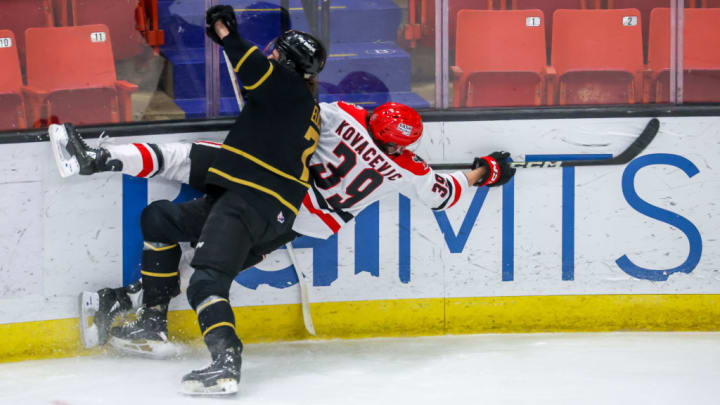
[
  {"x": 223, "y": 13},
  {"x": 498, "y": 169}
]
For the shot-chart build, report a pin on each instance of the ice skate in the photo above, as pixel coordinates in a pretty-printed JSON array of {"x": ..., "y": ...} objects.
[
  {"x": 221, "y": 377},
  {"x": 105, "y": 306},
  {"x": 73, "y": 155},
  {"x": 145, "y": 336}
]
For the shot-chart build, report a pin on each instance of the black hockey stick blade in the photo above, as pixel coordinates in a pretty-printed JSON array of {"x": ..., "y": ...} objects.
[{"x": 632, "y": 151}]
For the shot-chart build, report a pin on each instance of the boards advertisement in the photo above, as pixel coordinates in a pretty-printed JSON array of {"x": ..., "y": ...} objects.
[{"x": 645, "y": 229}]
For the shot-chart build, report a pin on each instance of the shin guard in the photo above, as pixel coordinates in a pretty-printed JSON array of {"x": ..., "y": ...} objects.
[
  {"x": 160, "y": 278},
  {"x": 217, "y": 324}
]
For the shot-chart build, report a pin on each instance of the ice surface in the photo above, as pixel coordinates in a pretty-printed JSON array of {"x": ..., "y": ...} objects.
[{"x": 616, "y": 368}]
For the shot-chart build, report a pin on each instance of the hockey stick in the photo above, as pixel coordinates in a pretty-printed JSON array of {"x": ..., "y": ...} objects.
[
  {"x": 234, "y": 81},
  {"x": 632, "y": 151},
  {"x": 304, "y": 298}
]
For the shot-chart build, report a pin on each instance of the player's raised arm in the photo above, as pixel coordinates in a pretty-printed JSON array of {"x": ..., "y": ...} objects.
[
  {"x": 251, "y": 66},
  {"x": 298, "y": 51}
]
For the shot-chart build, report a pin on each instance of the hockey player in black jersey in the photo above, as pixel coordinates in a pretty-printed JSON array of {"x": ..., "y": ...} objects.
[{"x": 255, "y": 184}]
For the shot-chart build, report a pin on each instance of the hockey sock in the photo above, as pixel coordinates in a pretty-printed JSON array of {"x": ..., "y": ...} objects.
[
  {"x": 160, "y": 279},
  {"x": 217, "y": 324},
  {"x": 138, "y": 159}
]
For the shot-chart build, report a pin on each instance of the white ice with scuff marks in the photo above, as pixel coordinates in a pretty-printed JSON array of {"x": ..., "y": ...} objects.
[{"x": 608, "y": 368}]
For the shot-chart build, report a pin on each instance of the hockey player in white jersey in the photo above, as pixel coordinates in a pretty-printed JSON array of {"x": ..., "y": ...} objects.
[{"x": 361, "y": 158}]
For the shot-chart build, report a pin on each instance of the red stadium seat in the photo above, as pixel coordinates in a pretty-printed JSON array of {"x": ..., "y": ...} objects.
[
  {"x": 120, "y": 17},
  {"x": 146, "y": 21},
  {"x": 645, "y": 6},
  {"x": 701, "y": 59},
  {"x": 425, "y": 29},
  {"x": 12, "y": 106},
  {"x": 598, "y": 56},
  {"x": 709, "y": 3},
  {"x": 549, "y": 7},
  {"x": 19, "y": 15},
  {"x": 71, "y": 76},
  {"x": 500, "y": 58}
]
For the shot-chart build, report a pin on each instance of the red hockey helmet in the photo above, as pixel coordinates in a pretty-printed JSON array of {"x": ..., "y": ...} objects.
[{"x": 397, "y": 124}]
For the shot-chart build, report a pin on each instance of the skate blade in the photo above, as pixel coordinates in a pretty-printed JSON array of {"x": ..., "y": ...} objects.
[
  {"x": 146, "y": 348},
  {"x": 89, "y": 304},
  {"x": 224, "y": 386},
  {"x": 67, "y": 165}
]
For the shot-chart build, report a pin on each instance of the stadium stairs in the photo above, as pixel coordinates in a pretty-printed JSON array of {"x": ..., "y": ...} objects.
[{"x": 366, "y": 66}]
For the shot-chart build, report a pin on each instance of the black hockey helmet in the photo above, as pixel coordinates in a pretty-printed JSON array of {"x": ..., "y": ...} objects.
[{"x": 301, "y": 52}]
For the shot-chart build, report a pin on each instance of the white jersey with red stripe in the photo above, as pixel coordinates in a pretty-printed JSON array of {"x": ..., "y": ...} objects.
[{"x": 350, "y": 172}]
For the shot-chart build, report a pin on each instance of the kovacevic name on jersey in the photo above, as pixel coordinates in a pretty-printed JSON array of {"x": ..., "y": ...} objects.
[{"x": 350, "y": 172}]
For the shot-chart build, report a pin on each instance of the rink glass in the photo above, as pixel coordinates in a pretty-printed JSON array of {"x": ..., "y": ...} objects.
[{"x": 149, "y": 60}]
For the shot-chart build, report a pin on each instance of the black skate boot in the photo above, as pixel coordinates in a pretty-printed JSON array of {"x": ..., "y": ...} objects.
[
  {"x": 145, "y": 336},
  {"x": 105, "y": 306},
  {"x": 222, "y": 376},
  {"x": 73, "y": 155}
]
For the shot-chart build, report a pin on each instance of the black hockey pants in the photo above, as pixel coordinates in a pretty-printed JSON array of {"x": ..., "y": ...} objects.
[{"x": 228, "y": 233}]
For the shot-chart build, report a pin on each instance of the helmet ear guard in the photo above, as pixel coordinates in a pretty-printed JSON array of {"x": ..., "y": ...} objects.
[
  {"x": 283, "y": 60},
  {"x": 397, "y": 124}
]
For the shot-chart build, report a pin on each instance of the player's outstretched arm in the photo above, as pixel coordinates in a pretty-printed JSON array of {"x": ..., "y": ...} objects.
[{"x": 441, "y": 191}]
